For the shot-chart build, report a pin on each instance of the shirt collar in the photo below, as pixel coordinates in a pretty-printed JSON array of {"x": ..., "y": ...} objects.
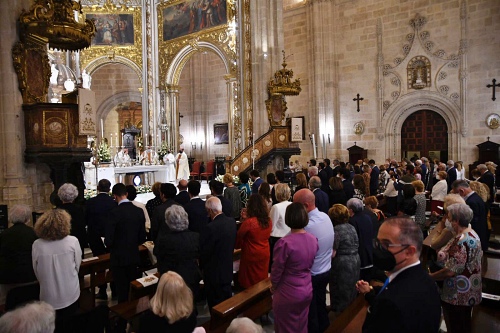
[
  {"x": 393, "y": 275},
  {"x": 123, "y": 201}
]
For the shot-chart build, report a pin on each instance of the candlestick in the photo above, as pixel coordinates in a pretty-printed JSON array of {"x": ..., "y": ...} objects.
[
  {"x": 123, "y": 143},
  {"x": 253, "y": 151}
]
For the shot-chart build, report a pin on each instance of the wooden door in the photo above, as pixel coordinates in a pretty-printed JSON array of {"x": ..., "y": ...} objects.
[{"x": 424, "y": 131}]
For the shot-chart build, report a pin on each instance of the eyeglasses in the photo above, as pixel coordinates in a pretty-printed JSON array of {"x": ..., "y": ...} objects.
[{"x": 383, "y": 245}]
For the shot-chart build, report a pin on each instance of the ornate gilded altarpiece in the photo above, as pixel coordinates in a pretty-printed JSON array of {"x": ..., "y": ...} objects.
[{"x": 118, "y": 33}]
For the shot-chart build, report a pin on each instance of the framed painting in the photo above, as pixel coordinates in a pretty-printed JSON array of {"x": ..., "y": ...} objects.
[
  {"x": 221, "y": 134},
  {"x": 276, "y": 108},
  {"x": 113, "y": 29},
  {"x": 297, "y": 129},
  {"x": 182, "y": 18},
  {"x": 118, "y": 34}
]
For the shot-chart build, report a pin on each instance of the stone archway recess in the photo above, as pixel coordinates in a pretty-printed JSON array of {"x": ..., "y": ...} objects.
[
  {"x": 413, "y": 102},
  {"x": 172, "y": 78}
]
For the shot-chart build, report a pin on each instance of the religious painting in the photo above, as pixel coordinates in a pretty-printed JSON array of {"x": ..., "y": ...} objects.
[
  {"x": 412, "y": 154},
  {"x": 221, "y": 134},
  {"x": 276, "y": 108},
  {"x": 190, "y": 16},
  {"x": 113, "y": 29},
  {"x": 297, "y": 129}
]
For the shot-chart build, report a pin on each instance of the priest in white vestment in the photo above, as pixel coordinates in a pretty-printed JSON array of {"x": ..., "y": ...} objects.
[
  {"x": 169, "y": 160},
  {"x": 182, "y": 165}
]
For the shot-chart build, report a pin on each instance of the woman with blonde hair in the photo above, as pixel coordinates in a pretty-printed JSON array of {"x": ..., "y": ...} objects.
[
  {"x": 232, "y": 194},
  {"x": 171, "y": 309},
  {"x": 277, "y": 215},
  {"x": 56, "y": 259},
  {"x": 443, "y": 232}
]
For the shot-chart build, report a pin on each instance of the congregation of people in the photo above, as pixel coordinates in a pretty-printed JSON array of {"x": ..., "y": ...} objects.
[{"x": 330, "y": 229}]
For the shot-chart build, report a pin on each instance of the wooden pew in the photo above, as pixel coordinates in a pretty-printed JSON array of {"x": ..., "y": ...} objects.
[
  {"x": 352, "y": 318},
  {"x": 137, "y": 290},
  {"x": 128, "y": 310},
  {"x": 96, "y": 272},
  {"x": 252, "y": 303}
]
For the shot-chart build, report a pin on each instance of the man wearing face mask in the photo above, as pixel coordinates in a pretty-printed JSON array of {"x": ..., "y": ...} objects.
[{"x": 409, "y": 300}]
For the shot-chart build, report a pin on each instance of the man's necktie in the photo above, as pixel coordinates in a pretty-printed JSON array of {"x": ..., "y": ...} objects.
[{"x": 384, "y": 286}]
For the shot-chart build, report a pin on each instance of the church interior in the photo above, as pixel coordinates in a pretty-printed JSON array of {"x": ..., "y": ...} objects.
[{"x": 250, "y": 84}]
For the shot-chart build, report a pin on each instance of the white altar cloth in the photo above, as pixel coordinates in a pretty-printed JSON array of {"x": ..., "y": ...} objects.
[{"x": 152, "y": 173}]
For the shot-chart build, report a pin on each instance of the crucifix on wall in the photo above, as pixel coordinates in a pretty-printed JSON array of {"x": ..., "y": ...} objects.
[
  {"x": 494, "y": 85},
  {"x": 357, "y": 99}
]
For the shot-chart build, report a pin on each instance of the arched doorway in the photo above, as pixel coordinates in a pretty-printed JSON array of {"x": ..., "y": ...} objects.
[{"x": 425, "y": 133}]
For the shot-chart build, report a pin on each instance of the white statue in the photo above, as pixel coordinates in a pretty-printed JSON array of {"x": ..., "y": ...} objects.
[
  {"x": 86, "y": 80},
  {"x": 54, "y": 74}
]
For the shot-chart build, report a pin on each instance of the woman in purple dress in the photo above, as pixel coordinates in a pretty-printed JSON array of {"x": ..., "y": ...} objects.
[{"x": 291, "y": 273}]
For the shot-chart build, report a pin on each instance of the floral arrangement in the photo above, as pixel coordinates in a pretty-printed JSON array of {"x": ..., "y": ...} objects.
[
  {"x": 236, "y": 179},
  {"x": 104, "y": 152},
  {"x": 163, "y": 150},
  {"x": 141, "y": 189}
]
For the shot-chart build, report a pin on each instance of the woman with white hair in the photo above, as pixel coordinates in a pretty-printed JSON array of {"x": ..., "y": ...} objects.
[
  {"x": 15, "y": 251},
  {"x": 460, "y": 260},
  {"x": 68, "y": 193},
  {"x": 178, "y": 248},
  {"x": 171, "y": 309}
]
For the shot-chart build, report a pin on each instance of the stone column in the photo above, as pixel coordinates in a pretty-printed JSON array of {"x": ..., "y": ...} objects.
[
  {"x": 172, "y": 110},
  {"x": 324, "y": 115},
  {"x": 267, "y": 44}
]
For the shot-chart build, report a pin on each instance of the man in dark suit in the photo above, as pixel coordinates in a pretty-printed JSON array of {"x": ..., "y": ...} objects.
[
  {"x": 323, "y": 176},
  {"x": 216, "y": 189},
  {"x": 216, "y": 253},
  {"x": 488, "y": 179},
  {"x": 345, "y": 175},
  {"x": 167, "y": 195},
  {"x": 374, "y": 177},
  {"x": 195, "y": 208},
  {"x": 452, "y": 173},
  {"x": 254, "y": 174},
  {"x": 96, "y": 216},
  {"x": 321, "y": 198},
  {"x": 125, "y": 231},
  {"x": 479, "y": 220},
  {"x": 182, "y": 197},
  {"x": 409, "y": 300},
  {"x": 328, "y": 168}
]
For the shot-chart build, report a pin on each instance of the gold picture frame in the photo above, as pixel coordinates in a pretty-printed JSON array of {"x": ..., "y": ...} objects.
[{"x": 126, "y": 43}]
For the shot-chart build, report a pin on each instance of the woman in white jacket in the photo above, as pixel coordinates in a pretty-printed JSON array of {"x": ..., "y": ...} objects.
[{"x": 439, "y": 191}]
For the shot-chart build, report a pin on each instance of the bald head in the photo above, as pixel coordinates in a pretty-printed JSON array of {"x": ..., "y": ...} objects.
[
  {"x": 305, "y": 197},
  {"x": 183, "y": 184}
]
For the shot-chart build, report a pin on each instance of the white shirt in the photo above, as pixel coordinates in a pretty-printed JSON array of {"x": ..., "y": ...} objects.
[
  {"x": 277, "y": 215},
  {"x": 146, "y": 215},
  {"x": 56, "y": 264},
  {"x": 390, "y": 191}
]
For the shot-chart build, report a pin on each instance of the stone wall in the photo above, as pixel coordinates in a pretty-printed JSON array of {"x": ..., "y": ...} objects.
[
  {"x": 202, "y": 103},
  {"x": 354, "y": 37}
]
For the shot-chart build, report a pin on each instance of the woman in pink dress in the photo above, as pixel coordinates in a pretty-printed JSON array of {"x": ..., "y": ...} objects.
[{"x": 291, "y": 273}]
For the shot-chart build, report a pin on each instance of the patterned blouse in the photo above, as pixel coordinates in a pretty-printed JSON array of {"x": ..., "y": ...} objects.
[{"x": 462, "y": 255}]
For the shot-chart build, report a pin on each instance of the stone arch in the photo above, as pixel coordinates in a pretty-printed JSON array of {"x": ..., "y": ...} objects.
[
  {"x": 172, "y": 79},
  {"x": 102, "y": 61},
  {"x": 112, "y": 101},
  {"x": 176, "y": 66},
  {"x": 410, "y": 103}
]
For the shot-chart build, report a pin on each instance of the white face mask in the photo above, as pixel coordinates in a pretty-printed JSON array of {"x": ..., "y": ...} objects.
[{"x": 449, "y": 226}]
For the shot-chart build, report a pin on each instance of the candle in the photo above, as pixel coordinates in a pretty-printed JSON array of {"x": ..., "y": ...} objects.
[
  {"x": 314, "y": 146},
  {"x": 102, "y": 129},
  {"x": 324, "y": 146},
  {"x": 117, "y": 141},
  {"x": 123, "y": 143}
]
